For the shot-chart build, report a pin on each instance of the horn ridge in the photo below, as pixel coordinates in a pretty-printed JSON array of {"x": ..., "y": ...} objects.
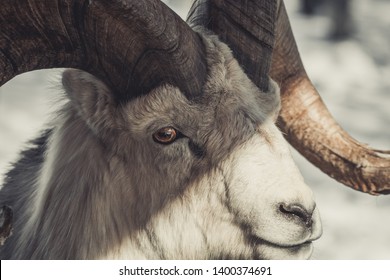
[
  {"x": 312, "y": 130},
  {"x": 247, "y": 27},
  {"x": 108, "y": 38}
]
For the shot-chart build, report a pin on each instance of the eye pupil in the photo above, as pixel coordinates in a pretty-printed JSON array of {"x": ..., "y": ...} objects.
[{"x": 165, "y": 135}]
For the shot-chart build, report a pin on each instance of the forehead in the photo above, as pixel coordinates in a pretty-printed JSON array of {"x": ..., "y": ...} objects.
[{"x": 227, "y": 95}]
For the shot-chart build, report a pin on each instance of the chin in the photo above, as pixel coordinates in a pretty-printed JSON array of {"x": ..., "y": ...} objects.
[{"x": 269, "y": 251}]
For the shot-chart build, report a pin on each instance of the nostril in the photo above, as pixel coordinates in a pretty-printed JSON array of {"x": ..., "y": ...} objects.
[{"x": 298, "y": 211}]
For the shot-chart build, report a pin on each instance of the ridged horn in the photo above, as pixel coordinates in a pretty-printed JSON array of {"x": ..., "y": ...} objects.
[
  {"x": 312, "y": 130},
  {"x": 247, "y": 26},
  {"x": 131, "y": 45},
  {"x": 255, "y": 29}
]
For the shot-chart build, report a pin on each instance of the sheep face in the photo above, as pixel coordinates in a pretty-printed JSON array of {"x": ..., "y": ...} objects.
[
  {"x": 166, "y": 177},
  {"x": 206, "y": 178}
]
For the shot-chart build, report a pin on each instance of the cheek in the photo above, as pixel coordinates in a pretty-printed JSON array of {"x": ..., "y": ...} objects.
[
  {"x": 163, "y": 169},
  {"x": 173, "y": 161},
  {"x": 261, "y": 177},
  {"x": 251, "y": 176}
]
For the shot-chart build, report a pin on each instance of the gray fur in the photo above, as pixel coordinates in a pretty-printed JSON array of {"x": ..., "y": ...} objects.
[{"x": 108, "y": 177}]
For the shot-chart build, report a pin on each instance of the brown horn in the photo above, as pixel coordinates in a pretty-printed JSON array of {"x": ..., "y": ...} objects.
[
  {"x": 311, "y": 129},
  {"x": 132, "y": 46},
  {"x": 304, "y": 119}
]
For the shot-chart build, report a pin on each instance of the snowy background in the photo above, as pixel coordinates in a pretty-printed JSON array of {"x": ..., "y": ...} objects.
[{"x": 353, "y": 77}]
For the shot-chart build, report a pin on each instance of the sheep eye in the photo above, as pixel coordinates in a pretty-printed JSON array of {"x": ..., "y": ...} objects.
[{"x": 165, "y": 135}]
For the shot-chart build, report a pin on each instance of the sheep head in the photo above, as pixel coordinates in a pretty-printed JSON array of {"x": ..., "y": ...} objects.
[{"x": 210, "y": 177}]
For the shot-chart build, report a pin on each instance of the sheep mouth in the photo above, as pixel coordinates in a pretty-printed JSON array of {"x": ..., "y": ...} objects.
[
  {"x": 260, "y": 241},
  {"x": 269, "y": 250}
]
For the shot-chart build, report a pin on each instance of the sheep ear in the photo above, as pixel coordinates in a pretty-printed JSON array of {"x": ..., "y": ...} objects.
[{"x": 91, "y": 98}]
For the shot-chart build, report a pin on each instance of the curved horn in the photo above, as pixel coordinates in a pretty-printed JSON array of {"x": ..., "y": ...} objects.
[
  {"x": 311, "y": 129},
  {"x": 130, "y": 45},
  {"x": 304, "y": 118}
]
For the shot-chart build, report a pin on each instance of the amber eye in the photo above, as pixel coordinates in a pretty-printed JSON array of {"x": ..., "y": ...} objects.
[{"x": 165, "y": 135}]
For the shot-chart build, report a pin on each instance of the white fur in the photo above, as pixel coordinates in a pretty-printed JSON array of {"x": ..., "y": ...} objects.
[{"x": 245, "y": 189}]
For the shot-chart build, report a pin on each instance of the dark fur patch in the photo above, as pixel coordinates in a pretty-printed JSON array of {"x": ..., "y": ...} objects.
[{"x": 18, "y": 188}]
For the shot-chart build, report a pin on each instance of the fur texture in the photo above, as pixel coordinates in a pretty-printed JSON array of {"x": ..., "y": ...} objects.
[{"x": 97, "y": 186}]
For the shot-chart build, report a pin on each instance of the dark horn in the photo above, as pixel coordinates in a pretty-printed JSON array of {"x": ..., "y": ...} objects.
[
  {"x": 246, "y": 26},
  {"x": 131, "y": 45}
]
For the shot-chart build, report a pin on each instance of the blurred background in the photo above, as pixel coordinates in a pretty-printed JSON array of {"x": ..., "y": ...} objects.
[{"x": 345, "y": 46}]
